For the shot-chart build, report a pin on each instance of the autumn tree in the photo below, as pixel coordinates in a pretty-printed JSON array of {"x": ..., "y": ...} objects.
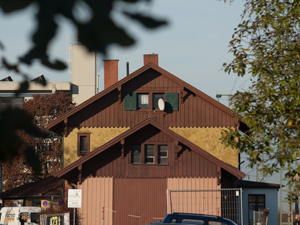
[
  {"x": 42, "y": 110},
  {"x": 266, "y": 45}
]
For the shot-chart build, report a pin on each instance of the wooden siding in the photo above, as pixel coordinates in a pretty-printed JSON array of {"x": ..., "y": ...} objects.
[
  {"x": 193, "y": 112},
  {"x": 96, "y": 194},
  {"x": 139, "y": 197},
  {"x": 203, "y": 202},
  {"x": 110, "y": 162}
]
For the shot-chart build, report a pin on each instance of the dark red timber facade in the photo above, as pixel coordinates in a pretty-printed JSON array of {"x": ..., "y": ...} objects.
[{"x": 148, "y": 150}]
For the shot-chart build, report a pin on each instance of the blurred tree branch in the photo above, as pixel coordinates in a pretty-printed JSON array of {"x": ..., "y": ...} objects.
[{"x": 96, "y": 33}]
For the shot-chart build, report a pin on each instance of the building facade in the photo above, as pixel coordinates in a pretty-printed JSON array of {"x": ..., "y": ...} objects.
[{"x": 124, "y": 149}]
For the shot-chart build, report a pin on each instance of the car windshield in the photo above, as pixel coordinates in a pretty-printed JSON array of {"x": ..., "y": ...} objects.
[{"x": 201, "y": 222}]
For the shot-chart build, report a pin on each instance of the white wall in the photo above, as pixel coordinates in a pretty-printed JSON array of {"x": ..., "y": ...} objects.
[{"x": 84, "y": 83}]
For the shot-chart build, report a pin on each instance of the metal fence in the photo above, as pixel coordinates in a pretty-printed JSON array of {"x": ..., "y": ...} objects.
[{"x": 219, "y": 202}]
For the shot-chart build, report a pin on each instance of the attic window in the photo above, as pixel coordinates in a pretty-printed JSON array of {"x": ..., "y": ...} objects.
[
  {"x": 150, "y": 154},
  {"x": 143, "y": 100},
  {"x": 83, "y": 143},
  {"x": 156, "y": 97}
]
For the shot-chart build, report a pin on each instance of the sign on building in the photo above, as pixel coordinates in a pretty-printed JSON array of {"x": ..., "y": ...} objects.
[{"x": 74, "y": 198}]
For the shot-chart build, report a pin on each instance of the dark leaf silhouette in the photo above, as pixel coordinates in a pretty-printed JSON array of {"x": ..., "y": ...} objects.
[
  {"x": 57, "y": 65},
  {"x": 9, "y": 66},
  {"x": 97, "y": 34},
  {"x": 1, "y": 46},
  {"x": 33, "y": 160},
  {"x": 148, "y": 22},
  {"x": 8, "y": 6},
  {"x": 23, "y": 87}
]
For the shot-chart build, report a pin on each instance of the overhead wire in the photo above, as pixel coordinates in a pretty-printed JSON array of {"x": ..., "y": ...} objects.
[{"x": 234, "y": 83}]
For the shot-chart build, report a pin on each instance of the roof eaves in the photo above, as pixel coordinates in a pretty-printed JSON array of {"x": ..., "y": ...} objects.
[{"x": 28, "y": 196}]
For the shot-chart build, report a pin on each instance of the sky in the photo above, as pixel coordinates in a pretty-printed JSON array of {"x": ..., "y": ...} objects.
[{"x": 193, "y": 46}]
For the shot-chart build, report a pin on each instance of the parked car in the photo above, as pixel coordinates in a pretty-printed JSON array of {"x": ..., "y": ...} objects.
[{"x": 194, "y": 219}]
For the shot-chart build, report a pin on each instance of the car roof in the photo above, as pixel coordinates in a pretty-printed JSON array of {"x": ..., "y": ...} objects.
[{"x": 203, "y": 217}]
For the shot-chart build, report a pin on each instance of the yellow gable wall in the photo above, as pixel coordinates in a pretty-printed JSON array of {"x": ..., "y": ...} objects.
[
  {"x": 98, "y": 137},
  {"x": 209, "y": 140},
  {"x": 206, "y": 138}
]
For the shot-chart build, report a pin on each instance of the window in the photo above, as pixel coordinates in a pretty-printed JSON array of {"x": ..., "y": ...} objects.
[
  {"x": 162, "y": 154},
  {"x": 149, "y": 154},
  {"x": 255, "y": 203},
  {"x": 143, "y": 100},
  {"x": 8, "y": 102},
  {"x": 156, "y": 154},
  {"x": 156, "y": 97},
  {"x": 135, "y": 101},
  {"x": 190, "y": 221},
  {"x": 135, "y": 154},
  {"x": 83, "y": 144}
]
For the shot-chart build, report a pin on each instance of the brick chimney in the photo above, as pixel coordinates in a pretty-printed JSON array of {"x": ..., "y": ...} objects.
[
  {"x": 110, "y": 72},
  {"x": 151, "y": 58}
]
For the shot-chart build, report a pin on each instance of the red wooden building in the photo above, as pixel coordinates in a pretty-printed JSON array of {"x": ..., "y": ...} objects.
[{"x": 124, "y": 152}]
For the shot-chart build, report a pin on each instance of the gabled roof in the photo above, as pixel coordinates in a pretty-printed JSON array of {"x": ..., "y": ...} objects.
[
  {"x": 51, "y": 186},
  {"x": 163, "y": 129},
  {"x": 132, "y": 76}
]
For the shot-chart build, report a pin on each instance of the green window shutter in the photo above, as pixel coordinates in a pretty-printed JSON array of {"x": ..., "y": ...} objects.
[
  {"x": 130, "y": 102},
  {"x": 172, "y": 101}
]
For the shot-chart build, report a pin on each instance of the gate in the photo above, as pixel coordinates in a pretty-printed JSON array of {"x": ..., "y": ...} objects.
[{"x": 218, "y": 202}]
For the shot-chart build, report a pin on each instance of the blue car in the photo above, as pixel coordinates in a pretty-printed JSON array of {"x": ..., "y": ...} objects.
[{"x": 194, "y": 219}]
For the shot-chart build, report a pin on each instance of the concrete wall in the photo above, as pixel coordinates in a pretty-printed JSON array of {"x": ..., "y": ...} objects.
[
  {"x": 7, "y": 88},
  {"x": 84, "y": 81}
]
